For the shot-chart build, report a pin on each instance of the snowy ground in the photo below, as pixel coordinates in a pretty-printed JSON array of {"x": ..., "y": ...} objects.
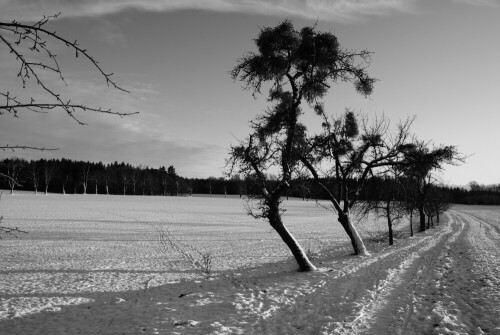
[{"x": 115, "y": 265}]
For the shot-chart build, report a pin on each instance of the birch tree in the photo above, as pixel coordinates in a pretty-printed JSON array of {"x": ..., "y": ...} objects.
[
  {"x": 11, "y": 172},
  {"x": 48, "y": 174},
  {"x": 85, "y": 176},
  {"x": 35, "y": 175}
]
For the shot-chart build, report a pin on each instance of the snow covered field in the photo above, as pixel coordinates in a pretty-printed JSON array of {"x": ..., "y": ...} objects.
[{"x": 131, "y": 265}]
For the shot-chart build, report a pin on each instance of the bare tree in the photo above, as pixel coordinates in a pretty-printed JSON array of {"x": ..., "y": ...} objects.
[
  {"x": 422, "y": 159},
  {"x": 348, "y": 153},
  {"x": 133, "y": 179},
  {"x": 300, "y": 67},
  {"x": 125, "y": 179},
  {"x": 409, "y": 197},
  {"x": 85, "y": 175},
  {"x": 437, "y": 202},
  {"x": 29, "y": 45},
  {"x": 107, "y": 178},
  {"x": 95, "y": 178},
  {"x": 386, "y": 200},
  {"x": 12, "y": 172},
  {"x": 35, "y": 175},
  {"x": 48, "y": 173}
]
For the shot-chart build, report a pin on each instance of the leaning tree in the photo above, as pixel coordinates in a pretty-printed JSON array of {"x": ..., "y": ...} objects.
[
  {"x": 299, "y": 67},
  {"x": 349, "y": 150},
  {"x": 31, "y": 46}
]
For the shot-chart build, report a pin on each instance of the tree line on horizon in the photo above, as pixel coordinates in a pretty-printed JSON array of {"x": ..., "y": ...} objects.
[{"x": 67, "y": 176}]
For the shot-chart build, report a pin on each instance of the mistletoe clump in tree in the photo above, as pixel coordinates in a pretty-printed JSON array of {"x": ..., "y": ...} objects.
[{"x": 299, "y": 66}]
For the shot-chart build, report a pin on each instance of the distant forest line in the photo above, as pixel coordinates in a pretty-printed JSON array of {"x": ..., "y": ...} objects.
[{"x": 80, "y": 177}]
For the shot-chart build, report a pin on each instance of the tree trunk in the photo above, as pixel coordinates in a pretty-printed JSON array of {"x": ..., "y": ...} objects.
[
  {"x": 411, "y": 223},
  {"x": 356, "y": 240},
  {"x": 422, "y": 217},
  {"x": 294, "y": 246},
  {"x": 389, "y": 222},
  {"x": 391, "y": 236}
]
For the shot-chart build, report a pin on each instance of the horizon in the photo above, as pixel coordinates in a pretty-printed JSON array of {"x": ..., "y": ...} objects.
[{"x": 437, "y": 61}]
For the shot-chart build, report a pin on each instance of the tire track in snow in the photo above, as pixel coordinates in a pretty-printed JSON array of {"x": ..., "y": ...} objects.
[
  {"x": 344, "y": 301},
  {"x": 399, "y": 304},
  {"x": 452, "y": 288}
]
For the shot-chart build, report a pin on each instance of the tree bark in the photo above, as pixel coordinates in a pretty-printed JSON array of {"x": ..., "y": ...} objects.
[
  {"x": 356, "y": 240},
  {"x": 422, "y": 217},
  {"x": 294, "y": 246},
  {"x": 389, "y": 222},
  {"x": 411, "y": 223},
  {"x": 391, "y": 236},
  {"x": 297, "y": 251}
]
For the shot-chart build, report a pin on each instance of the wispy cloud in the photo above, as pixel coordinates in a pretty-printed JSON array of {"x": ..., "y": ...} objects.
[
  {"x": 339, "y": 10},
  {"x": 491, "y": 3}
]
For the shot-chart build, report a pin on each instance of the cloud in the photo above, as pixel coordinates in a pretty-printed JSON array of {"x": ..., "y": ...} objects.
[
  {"x": 489, "y": 3},
  {"x": 339, "y": 10},
  {"x": 142, "y": 139},
  {"x": 107, "y": 138}
]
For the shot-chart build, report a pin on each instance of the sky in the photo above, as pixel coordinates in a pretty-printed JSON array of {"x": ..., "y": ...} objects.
[{"x": 436, "y": 60}]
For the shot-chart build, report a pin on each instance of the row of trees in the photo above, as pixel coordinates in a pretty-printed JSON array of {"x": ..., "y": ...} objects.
[
  {"x": 79, "y": 177},
  {"x": 299, "y": 67},
  {"x": 67, "y": 176},
  {"x": 481, "y": 195}
]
